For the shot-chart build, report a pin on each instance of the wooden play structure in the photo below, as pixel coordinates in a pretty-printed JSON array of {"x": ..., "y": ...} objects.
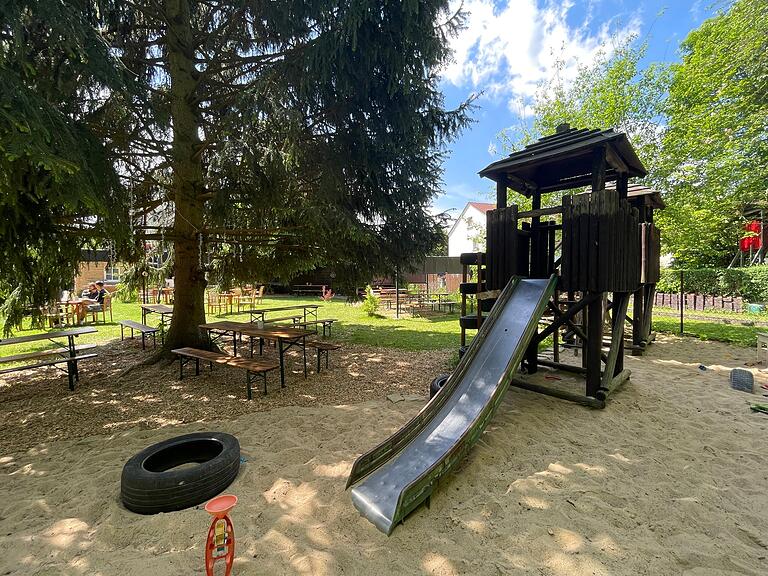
[{"x": 602, "y": 244}]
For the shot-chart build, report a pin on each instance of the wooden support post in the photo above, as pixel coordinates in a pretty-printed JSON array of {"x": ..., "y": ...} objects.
[
  {"x": 501, "y": 194},
  {"x": 556, "y": 333},
  {"x": 620, "y": 303},
  {"x": 594, "y": 345},
  {"x": 638, "y": 320},
  {"x": 622, "y": 185},
  {"x": 538, "y": 263},
  {"x": 463, "y": 305},
  {"x": 598, "y": 168}
]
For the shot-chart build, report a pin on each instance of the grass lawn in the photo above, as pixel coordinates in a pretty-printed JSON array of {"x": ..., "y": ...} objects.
[
  {"x": 407, "y": 333},
  {"x": 354, "y": 326},
  {"x": 708, "y": 330}
]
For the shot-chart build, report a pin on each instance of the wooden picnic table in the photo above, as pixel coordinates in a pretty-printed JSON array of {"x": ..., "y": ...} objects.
[
  {"x": 160, "y": 309},
  {"x": 281, "y": 334},
  {"x": 307, "y": 310},
  {"x": 309, "y": 289},
  {"x": 71, "y": 350}
]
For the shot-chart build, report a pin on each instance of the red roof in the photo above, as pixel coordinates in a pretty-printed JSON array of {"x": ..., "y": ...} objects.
[{"x": 482, "y": 206}]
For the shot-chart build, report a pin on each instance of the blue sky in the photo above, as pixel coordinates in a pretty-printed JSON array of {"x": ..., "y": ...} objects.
[{"x": 510, "y": 45}]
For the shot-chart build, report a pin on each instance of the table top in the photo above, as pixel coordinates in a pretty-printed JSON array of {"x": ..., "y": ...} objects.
[
  {"x": 294, "y": 307},
  {"x": 49, "y": 335},
  {"x": 251, "y": 330},
  {"x": 227, "y": 325},
  {"x": 158, "y": 308}
]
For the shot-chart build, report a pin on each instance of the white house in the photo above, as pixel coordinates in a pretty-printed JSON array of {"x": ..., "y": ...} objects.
[{"x": 468, "y": 232}]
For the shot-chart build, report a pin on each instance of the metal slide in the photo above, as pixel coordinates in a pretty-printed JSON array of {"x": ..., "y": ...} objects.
[{"x": 401, "y": 472}]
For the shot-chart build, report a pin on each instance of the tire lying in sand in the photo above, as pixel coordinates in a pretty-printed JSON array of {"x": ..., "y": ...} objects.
[
  {"x": 437, "y": 384},
  {"x": 156, "y": 480}
]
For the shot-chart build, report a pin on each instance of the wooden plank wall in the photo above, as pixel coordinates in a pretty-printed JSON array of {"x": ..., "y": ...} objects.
[
  {"x": 601, "y": 243},
  {"x": 501, "y": 246},
  {"x": 650, "y": 240}
]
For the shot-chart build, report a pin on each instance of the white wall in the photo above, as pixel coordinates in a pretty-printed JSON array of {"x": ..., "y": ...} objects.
[{"x": 460, "y": 238}]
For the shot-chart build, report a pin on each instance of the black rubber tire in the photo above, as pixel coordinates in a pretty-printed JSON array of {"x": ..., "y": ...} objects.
[
  {"x": 472, "y": 258},
  {"x": 152, "y": 482},
  {"x": 437, "y": 384}
]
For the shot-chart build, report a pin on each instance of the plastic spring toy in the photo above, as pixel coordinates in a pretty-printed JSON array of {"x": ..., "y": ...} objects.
[{"x": 221, "y": 535}]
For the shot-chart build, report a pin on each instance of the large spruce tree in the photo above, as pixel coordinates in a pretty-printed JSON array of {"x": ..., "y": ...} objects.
[{"x": 285, "y": 134}]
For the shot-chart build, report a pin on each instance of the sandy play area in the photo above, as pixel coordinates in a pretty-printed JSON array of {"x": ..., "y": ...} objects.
[{"x": 671, "y": 478}]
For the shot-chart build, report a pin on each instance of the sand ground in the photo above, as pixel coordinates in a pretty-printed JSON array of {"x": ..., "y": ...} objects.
[{"x": 671, "y": 478}]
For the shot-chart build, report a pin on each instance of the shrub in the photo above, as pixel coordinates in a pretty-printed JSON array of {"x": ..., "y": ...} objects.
[
  {"x": 125, "y": 293},
  {"x": 750, "y": 283},
  {"x": 371, "y": 302}
]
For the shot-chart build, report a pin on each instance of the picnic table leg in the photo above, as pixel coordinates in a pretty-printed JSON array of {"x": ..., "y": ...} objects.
[
  {"x": 248, "y": 383},
  {"x": 71, "y": 367},
  {"x": 72, "y": 354},
  {"x": 318, "y": 360},
  {"x": 282, "y": 362},
  {"x": 304, "y": 349},
  {"x": 234, "y": 343}
]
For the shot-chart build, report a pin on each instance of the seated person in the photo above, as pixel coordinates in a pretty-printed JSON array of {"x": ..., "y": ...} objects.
[{"x": 94, "y": 299}]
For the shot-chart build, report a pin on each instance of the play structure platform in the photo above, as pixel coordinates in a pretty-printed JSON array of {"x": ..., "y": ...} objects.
[{"x": 401, "y": 473}]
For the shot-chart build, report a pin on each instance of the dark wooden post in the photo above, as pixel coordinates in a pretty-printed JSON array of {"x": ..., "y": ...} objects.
[
  {"x": 638, "y": 309},
  {"x": 501, "y": 194},
  {"x": 598, "y": 168},
  {"x": 537, "y": 261},
  {"x": 682, "y": 303},
  {"x": 397, "y": 295},
  {"x": 594, "y": 345},
  {"x": 622, "y": 185}
]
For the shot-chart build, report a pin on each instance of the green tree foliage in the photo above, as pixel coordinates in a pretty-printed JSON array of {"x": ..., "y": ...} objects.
[
  {"x": 287, "y": 135},
  {"x": 257, "y": 140},
  {"x": 59, "y": 190},
  {"x": 613, "y": 91},
  {"x": 715, "y": 153}
]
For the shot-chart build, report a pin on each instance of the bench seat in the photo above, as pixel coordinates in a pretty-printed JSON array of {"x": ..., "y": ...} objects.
[
  {"x": 142, "y": 328},
  {"x": 326, "y": 322},
  {"x": 323, "y": 348},
  {"x": 283, "y": 318},
  {"x": 44, "y": 353},
  {"x": 252, "y": 367},
  {"x": 69, "y": 361}
]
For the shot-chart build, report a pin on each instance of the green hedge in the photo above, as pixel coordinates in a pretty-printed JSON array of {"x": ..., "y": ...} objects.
[{"x": 749, "y": 283}]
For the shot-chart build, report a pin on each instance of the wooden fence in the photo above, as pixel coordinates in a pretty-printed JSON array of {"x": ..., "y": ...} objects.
[{"x": 700, "y": 302}]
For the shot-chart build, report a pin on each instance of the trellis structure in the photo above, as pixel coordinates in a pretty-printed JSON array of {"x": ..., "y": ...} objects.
[{"x": 594, "y": 241}]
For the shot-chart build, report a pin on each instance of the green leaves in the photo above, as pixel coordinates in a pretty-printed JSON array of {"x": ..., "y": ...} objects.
[
  {"x": 715, "y": 154},
  {"x": 59, "y": 191}
]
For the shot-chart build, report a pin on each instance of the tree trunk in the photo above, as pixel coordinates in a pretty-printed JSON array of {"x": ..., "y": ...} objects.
[{"x": 189, "y": 285}]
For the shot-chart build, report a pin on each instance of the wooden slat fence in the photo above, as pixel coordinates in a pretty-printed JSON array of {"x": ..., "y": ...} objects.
[{"x": 700, "y": 302}]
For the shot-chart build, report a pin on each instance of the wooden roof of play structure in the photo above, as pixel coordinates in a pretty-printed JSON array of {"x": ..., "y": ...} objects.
[
  {"x": 564, "y": 160},
  {"x": 639, "y": 195}
]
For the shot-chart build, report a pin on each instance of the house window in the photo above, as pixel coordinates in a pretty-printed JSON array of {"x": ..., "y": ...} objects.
[{"x": 112, "y": 273}]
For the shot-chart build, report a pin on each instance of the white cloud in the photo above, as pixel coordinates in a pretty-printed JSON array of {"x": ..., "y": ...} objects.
[{"x": 507, "y": 50}]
